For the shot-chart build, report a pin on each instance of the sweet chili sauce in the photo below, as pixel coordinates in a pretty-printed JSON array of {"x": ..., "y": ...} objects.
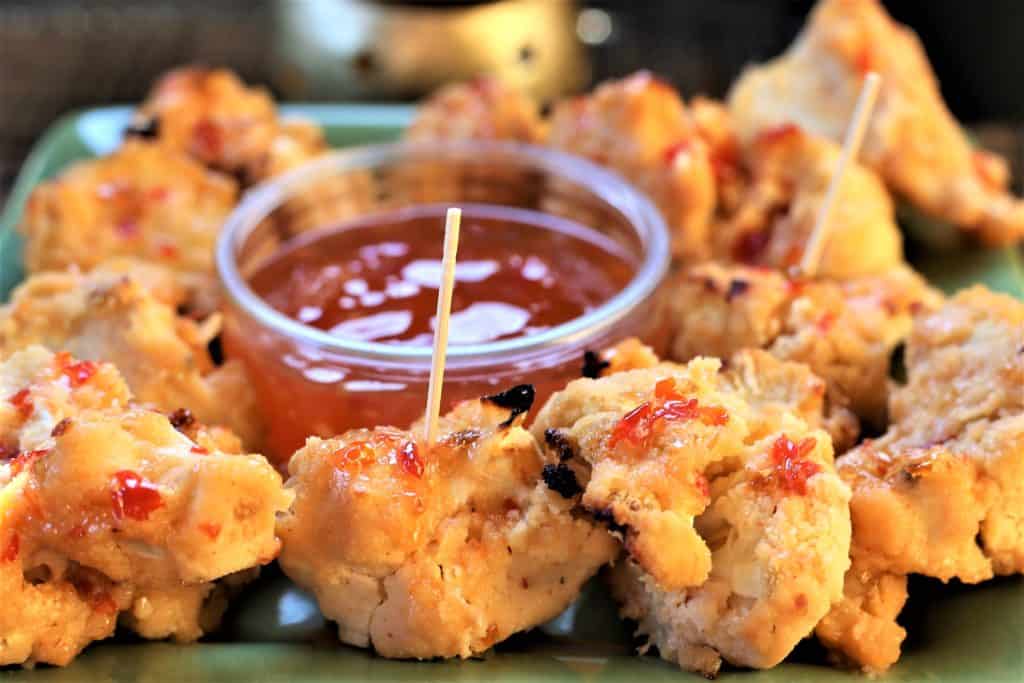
[{"x": 375, "y": 279}]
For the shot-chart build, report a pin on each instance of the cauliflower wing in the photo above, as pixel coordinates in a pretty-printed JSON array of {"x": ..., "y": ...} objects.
[
  {"x": 845, "y": 331},
  {"x": 942, "y": 492},
  {"x": 438, "y": 552},
  {"x": 106, "y": 509},
  {"x": 735, "y": 524},
  {"x": 141, "y": 202},
  {"x": 483, "y": 109},
  {"x": 107, "y": 316},
  {"x": 640, "y": 128},
  {"x": 913, "y": 141}
]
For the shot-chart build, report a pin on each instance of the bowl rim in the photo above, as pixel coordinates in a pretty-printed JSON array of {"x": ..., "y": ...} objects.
[{"x": 640, "y": 213}]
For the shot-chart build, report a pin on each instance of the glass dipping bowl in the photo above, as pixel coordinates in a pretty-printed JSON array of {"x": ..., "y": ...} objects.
[{"x": 310, "y": 382}]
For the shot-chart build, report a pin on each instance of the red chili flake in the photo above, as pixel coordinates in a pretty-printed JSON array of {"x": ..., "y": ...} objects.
[
  {"x": 792, "y": 469},
  {"x": 24, "y": 460},
  {"x": 668, "y": 406},
  {"x": 825, "y": 322},
  {"x": 127, "y": 228},
  {"x": 10, "y": 553},
  {"x": 357, "y": 453},
  {"x": 750, "y": 246},
  {"x": 168, "y": 251},
  {"x": 673, "y": 151},
  {"x": 794, "y": 255},
  {"x": 77, "y": 372},
  {"x": 211, "y": 529},
  {"x": 795, "y": 286},
  {"x": 800, "y": 602},
  {"x": 777, "y": 134},
  {"x": 158, "y": 194},
  {"x": 409, "y": 459},
  {"x": 714, "y": 416},
  {"x": 702, "y": 485},
  {"x": 22, "y": 400},
  {"x": 133, "y": 497},
  {"x": 864, "y": 60},
  {"x": 634, "y": 427},
  {"x": 208, "y": 138},
  {"x": 78, "y": 531},
  {"x": 200, "y": 450}
]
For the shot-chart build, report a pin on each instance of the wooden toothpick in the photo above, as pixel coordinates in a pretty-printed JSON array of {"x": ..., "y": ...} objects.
[
  {"x": 444, "y": 309},
  {"x": 851, "y": 145}
]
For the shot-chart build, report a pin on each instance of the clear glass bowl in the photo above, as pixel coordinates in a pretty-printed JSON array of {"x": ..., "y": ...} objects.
[{"x": 310, "y": 382}]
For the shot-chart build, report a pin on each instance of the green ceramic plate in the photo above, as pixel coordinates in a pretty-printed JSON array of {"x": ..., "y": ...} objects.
[{"x": 274, "y": 632}]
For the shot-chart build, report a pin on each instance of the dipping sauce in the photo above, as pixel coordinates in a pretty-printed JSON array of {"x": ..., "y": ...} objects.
[{"x": 518, "y": 272}]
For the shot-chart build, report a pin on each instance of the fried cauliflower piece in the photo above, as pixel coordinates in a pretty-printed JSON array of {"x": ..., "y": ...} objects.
[
  {"x": 107, "y": 316},
  {"x": 141, "y": 202},
  {"x": 942, "y": 492},
  {"x": 735, "y": 524},
  {"x": 442, "y": 552},
  {"x": 106, "y": 510},
  {"x": 786, "y": 175},
  {"x": 212, "y": 116},
  {"x": 640, "y": 128},
  {"x": 845, "y": 331},
  {"x": 912, "y": 141},
  {"x": 483, "y": 109}
]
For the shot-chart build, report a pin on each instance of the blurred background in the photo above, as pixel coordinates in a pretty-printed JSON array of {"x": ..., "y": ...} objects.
[{"x": 62, "y": 55}]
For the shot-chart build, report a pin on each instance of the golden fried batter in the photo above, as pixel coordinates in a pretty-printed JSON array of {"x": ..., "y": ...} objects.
[
  {"x": 639, "y": 127},
  {"x": 141, "y": 202},
  {"x": 787, "y": 176},
  {"x": 104, "y": 315},
  {"x": 912, "y": 141},
  {"x": 438, "y": 552},
  {"x": 482, "y": 109},
  {"x": 942, "y": 493},
  {"x": 845, "y": 331},
  {"x": 735, "y": 523},
  {"x": 212, "y": 116},
  {"x": 107, "y": 509}
]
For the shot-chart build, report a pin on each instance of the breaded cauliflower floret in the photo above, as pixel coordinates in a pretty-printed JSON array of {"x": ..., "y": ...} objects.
[
  {"x": 736, "y": 525},
  {"x": 912, "y": 140},
  {"x": 483, "y": 109},
  {"x": 211, "y": 115},
  {"x": 438, "y": 552},
  {"x": 106, "y": 510},
  {"x": 942, "y": 492},
  {"x": 786, "y": 174},
  {"x": 845, "y": 331},
  {"x": 141, "y": 202},
  {"x": 107, "y": 316},
  {"x": 640, "y": 128}
]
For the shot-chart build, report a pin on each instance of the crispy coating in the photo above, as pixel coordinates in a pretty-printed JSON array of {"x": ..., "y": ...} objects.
[
  {"x": 211, "y": 115},
  {"x": 912, "y": 141},
  {"x": 640, "y": 128},
  {"x": 435, "y": 553},
  {"x": 482, "y": 109},
  {"x": 785, "y": 176},
  {"x": 107, "y": 316},
  {"x": 728, "y": 556},
  {"x": 141, "y": 202},
  {"x": 942, "y": 492},
  {"x": 106, "y": 508},
  {"x": 845, "y": 331}
]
